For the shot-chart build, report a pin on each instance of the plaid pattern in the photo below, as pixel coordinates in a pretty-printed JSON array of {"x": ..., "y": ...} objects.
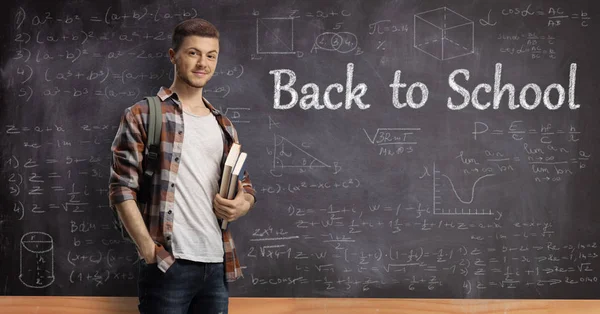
[{"x": 126, "y": 171}]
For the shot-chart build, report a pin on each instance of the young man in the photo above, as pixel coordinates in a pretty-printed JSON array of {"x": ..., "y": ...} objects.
[{"x": 186, "y": 259}]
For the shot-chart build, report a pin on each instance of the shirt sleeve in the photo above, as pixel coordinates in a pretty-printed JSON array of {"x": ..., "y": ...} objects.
[
  {"x": 247, "y": 185},
  {"x": 127, "y": 155}
]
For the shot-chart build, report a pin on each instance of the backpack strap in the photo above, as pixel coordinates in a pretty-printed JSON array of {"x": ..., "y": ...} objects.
[
  {"x": 150, "y": 164},
  {"x": 154, "y": 127},
  {"x": 152, "y": 146}
]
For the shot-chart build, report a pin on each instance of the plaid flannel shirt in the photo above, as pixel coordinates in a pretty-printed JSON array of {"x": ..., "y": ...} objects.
[{"x": 126, "y": 170}]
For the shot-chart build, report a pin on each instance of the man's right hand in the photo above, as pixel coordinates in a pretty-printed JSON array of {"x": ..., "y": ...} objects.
[{"x": 131, "y": 217}]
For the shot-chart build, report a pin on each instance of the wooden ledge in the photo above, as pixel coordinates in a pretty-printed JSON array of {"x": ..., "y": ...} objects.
[{"x": 117, "y": 305}]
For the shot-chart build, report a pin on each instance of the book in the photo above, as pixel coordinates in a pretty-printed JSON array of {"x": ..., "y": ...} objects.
[
  {"x": 236, "y": 174},
  {"x": 232, "y": 157}
]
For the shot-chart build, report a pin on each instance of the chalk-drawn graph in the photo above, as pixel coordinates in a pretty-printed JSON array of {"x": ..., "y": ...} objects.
[
  {"x": 275, "y": 35},
  {"x": 443, "y": 33},
  {"x": 289, "y": 155},
  {"x": 446, "y": 194},
  {"x": 36, "y": 260}
]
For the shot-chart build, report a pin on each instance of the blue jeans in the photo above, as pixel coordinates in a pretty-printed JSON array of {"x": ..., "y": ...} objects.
[{"x": 187, "y": 287}]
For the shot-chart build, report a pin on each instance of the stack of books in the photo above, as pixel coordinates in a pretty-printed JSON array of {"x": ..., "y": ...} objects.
[{"x": 232, "y": 172}]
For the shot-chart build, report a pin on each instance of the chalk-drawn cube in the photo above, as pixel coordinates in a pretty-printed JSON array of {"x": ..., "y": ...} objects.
[
  {"x": 443, "y": 33},
  {"x": 275, "y": 35}
]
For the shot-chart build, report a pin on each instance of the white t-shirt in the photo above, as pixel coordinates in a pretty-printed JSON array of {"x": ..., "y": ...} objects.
[{"x": 196, "y": 232}]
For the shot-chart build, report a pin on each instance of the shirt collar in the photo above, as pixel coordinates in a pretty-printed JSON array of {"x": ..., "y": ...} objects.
[{"x": 165, "y": 93}]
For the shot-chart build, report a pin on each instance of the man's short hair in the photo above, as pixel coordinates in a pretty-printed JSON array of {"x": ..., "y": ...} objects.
[{"x": 193, "y": 27}]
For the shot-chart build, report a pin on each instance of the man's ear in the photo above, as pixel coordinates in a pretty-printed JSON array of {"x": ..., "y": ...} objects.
[{"x": 172, "y": 55}]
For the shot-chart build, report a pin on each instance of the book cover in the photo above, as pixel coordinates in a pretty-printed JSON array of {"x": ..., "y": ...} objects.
[
  {"x": 232, "y": 157},
  {"x": 236, "y": 174}
]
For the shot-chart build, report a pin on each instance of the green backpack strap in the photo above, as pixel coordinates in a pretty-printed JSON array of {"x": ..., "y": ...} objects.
[
  {"x": 154, "y": 123},
  {"x": 151, "y": 161},
  {"x": 153, "y": 147}
]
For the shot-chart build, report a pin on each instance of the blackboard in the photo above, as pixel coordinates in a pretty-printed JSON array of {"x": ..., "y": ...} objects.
[{"x": 409, "y": 173}]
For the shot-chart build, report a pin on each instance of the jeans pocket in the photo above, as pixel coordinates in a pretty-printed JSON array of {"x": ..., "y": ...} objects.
[
  {"x": 214, "y": 272},
  {"x": 171, "y": 268}
]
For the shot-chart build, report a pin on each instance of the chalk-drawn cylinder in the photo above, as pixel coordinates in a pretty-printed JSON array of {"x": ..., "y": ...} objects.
[{"x": 37, "y": 260}]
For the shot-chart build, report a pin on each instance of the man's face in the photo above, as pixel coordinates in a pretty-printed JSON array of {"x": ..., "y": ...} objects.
[{"x": 196, "y": 60}]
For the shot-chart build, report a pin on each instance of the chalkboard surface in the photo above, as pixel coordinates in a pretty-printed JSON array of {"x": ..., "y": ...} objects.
[{"x": 430, "y": 149}]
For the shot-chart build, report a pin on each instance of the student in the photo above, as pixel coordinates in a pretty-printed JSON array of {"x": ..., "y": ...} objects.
[{"x": 186, "y": 259}]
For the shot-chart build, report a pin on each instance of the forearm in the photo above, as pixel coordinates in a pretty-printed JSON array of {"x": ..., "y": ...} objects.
[{"x": 134, "y": 224}]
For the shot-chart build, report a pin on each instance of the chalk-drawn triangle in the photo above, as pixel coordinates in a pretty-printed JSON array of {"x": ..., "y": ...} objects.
[{"x": 288, "y": 155}]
